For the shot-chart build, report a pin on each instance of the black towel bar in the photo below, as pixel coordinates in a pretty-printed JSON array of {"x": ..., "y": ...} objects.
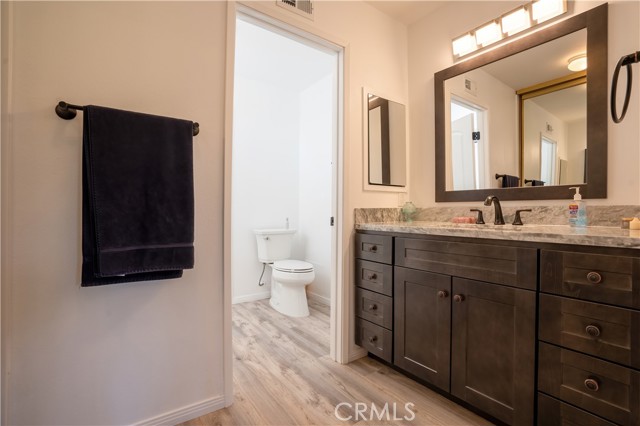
[
  {"x": 500, "y": 176},
  {"x": 68, "y": 112}
]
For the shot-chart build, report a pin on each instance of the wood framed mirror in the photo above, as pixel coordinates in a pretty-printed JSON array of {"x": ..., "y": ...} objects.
[{"x": 505, "y": 139}]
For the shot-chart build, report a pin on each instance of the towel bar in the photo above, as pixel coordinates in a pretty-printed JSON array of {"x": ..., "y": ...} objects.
[{"x": 68, "y": 112}]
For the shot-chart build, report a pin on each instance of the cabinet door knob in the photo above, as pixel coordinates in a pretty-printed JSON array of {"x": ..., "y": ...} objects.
[
  {"x": 592, "y": 384},
  {"x": 592, "y": 330},
  {"x": 373, "y": 307},
  {"x": 594, "y": 278},
  {"x": 374, "y": 248},
  {"x": 373, "y": 339},
  {"x": 371, "y": 277},
  {"x": 458, "y": 298},
  {"x": 442, "y": 294}
]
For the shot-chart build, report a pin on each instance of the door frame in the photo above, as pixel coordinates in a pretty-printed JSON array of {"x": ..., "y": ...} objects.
[{"x": 277, "y": 21}]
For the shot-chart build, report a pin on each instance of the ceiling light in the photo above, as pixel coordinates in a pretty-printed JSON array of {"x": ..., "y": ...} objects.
[
  {"x": 578, "y": 63},
  {"x": 516, "y": 21},
  {"x": 464, "y": 44},
  {"x": 488, "y": 34},
  {"x": 543, "y": 10}
]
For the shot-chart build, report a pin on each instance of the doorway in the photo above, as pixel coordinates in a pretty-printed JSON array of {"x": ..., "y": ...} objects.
[
  {"x": 285, "y": 164},
  {"x": 468, "y": 145}
]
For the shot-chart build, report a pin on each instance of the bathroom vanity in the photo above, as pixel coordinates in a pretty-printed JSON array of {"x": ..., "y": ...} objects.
[{"x": 529, "y": 326}]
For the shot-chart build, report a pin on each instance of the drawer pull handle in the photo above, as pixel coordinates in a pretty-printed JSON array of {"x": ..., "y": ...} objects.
[
  {"x": 458, "y": 298},
  {"x": 594, "y": 278},
  {"x": 373, "y": 339},
  {"x": 373, "y": 249},
  {"x": 442, "y": 294},
  {"x": 372, "y": 277},
  {"x": 592, "y": 330},
  {"x": 373, "y": 307},
  {"x": 592, "y": 384}
]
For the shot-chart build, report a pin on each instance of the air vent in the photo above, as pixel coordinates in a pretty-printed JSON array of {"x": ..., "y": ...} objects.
[{"x": 301, "y": 7}]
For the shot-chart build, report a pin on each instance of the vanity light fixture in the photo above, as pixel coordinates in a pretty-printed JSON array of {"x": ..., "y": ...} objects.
[
  {"x": 543, "y": 10},
  {"x": 578, "y": 62},
  {"x": 513, "y": 22},
  {"x": 464, "y": 45},
  {"x": 488, "y": 34}
]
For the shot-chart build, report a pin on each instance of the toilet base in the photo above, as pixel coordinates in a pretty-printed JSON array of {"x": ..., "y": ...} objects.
[{"x": 290, "y": 300}]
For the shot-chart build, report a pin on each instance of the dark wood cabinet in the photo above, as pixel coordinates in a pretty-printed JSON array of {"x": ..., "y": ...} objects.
[
  {"x": 471, "y": 338},
  {"x": 493, "y": 349},
  {"x": 422, "y": 332},
  {"x": 373, "y": 294},
  {"x": 475, "y": 317}
]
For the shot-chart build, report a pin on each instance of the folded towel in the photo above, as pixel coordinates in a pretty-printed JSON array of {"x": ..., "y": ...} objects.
[
  {"x": 137, "y": 187},
  {"x": 534, "y": 182},
  {"x": 509, "y": 181}
]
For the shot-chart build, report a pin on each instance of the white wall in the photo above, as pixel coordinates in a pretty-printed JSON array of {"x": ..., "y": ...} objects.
[
  {"x": 265, "y": 176},
  {"x": 536, "y": 125},
  {"x": 116, "y": 354},
  {"x": 430, "y": 51},
  {"x": 317, "y": 133}
]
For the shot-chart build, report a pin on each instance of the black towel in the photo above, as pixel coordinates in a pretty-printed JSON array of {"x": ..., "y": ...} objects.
[
  {"x": 509, "y": 181},
  {"x": 537, "y": 183},
  {"x": 137, "y": 196}
]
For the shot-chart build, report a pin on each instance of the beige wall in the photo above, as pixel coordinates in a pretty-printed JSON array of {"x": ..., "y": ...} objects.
[
  {"x": 124, "y": 353},
  {"x": 430, "y": 51}
]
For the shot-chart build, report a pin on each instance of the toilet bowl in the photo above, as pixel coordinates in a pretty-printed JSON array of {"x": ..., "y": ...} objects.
[
  {"x": 288, "y": 281},
  {"x": 289, "y": 277}
]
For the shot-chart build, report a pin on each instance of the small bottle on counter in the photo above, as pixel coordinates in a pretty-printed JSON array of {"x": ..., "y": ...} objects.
[
  {"x": 408, "y": 211},
  {"x": 577, "y": 210}
]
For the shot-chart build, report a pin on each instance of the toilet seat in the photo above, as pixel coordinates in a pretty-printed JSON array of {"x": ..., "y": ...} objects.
[{"x": 292, "y": 266}]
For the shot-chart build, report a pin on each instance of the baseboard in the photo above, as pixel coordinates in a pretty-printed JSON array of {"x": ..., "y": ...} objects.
[
  {"x": 251, "y": 297},
  {"x": 186, "y": 413},
  {"x": 357, "y": 353},
  {"x": 318, "y": 298}
]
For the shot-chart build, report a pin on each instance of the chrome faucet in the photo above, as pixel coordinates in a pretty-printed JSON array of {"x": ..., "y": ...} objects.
[{"x": 499, "y": 219}]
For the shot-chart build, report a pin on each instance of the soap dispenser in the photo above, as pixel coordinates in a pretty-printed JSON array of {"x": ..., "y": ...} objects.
[{"x": 577, "y": 210}]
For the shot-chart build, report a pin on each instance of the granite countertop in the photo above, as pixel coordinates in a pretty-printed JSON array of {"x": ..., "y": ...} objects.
[{"x": 603, "y": 236}]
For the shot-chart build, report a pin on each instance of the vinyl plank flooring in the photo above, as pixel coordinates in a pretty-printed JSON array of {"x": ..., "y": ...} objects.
[{"x": 283, "y": 376}]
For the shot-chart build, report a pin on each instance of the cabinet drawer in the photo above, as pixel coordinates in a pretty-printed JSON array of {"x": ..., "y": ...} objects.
[
  {"x": 374, "y": 276},
  {"x": 378, "y": 248},
  {"x": 374, "y": 307},
  {"x": 374, "y": 339},
  {"x": 597, "y": 277},
  {"x": 604, "y": 331},
  {"x": 552, "y": 412},
  {"x": 513, "y": 266},
  {"x": 600, "y": 387}
]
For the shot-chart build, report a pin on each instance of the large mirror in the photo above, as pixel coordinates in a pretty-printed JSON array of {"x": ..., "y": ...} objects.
[
  {"x": 517, "y": 123},
  {"x": 386, "y": 143}
]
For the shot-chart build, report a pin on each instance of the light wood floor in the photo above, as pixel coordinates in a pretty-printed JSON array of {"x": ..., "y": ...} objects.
[{"x": 283, "y": 376}]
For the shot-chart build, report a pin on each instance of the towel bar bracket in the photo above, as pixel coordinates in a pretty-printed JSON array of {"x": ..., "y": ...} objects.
[{"x": 69, "y": 111}]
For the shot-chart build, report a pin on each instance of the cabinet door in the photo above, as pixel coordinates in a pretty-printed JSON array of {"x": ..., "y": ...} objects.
[
  {"x": 493, "y": 349},
  {"x": 422, "y": 329}
]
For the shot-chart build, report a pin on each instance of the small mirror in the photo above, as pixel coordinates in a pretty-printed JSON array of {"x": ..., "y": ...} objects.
[{"x": 386, "y": 142}]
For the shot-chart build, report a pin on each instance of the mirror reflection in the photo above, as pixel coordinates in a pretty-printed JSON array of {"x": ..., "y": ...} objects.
[
  {"x": 520, "y": 121},
  {"x": 387, "y": 141}
]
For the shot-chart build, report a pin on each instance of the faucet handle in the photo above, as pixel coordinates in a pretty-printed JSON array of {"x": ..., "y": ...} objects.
[
  {"x": 480, "y": 219},
  {"x": 517, "y": 220}
]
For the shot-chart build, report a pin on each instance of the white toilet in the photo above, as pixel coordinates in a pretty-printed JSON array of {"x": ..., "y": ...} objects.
[{"x": 288, "y": 277}]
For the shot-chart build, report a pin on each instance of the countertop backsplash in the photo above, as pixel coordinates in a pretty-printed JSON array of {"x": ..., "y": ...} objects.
[{"x": 540, "y": 215}]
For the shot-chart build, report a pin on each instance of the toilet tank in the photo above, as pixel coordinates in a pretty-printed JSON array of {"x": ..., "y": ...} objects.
[{"x": 274, "y": 244}]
